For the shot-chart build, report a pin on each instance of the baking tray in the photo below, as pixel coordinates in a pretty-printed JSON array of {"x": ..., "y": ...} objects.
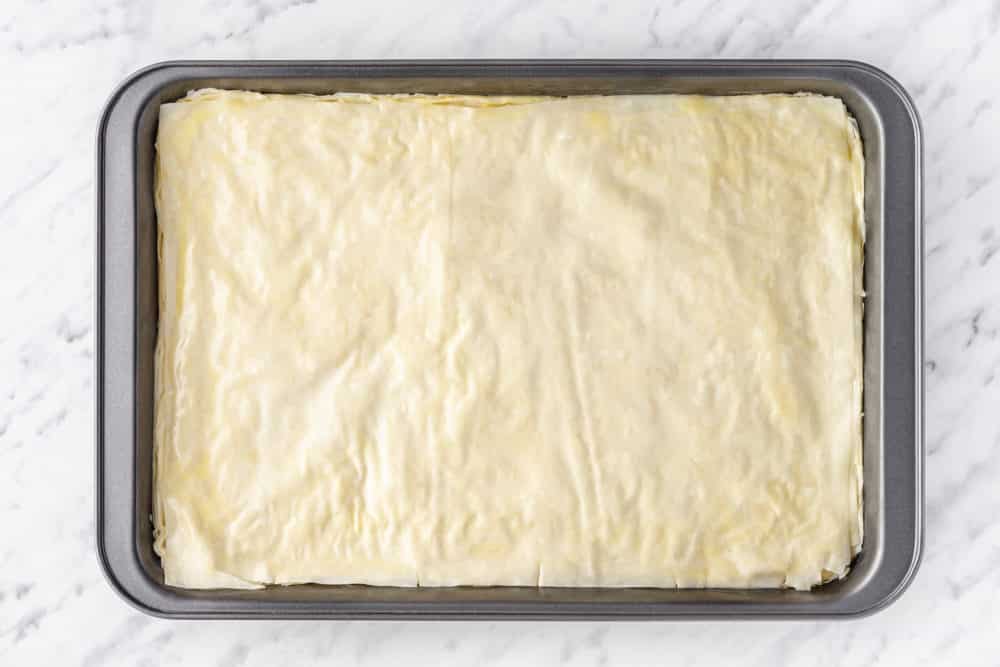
[{"x": 893, "y": 333}]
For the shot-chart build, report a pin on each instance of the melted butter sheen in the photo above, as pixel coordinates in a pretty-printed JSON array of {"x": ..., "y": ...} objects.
[{"x": 604, "y": 341}]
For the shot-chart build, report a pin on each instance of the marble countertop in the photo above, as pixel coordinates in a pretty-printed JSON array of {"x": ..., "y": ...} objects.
[{"x": 60, "y": 63}]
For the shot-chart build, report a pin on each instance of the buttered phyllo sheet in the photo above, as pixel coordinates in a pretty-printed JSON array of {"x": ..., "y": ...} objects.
[{"x": 444, "y": 340}]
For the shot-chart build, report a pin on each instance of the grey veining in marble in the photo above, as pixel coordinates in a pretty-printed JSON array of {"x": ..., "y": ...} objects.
[{"x": 60, "y": 61}]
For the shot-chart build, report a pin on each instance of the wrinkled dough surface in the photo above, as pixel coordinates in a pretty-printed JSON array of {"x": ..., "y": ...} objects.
[{"x": 595, "y": 341}]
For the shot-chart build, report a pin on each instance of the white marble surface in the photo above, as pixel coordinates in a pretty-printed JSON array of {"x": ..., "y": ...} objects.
[{"x": 60, "y": 60}]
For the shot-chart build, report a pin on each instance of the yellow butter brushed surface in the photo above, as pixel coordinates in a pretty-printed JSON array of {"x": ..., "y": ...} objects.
[{"x": 593, "y": 341}]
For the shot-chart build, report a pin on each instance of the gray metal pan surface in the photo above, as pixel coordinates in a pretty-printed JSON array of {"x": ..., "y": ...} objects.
[{"x": 893, "y": 331}]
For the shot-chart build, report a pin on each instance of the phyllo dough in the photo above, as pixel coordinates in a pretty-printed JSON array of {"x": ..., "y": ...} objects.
[{"x": 442, "y": 340}]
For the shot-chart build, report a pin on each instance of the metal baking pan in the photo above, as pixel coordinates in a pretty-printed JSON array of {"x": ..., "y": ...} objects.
[{"x": 893, "y": 333}]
